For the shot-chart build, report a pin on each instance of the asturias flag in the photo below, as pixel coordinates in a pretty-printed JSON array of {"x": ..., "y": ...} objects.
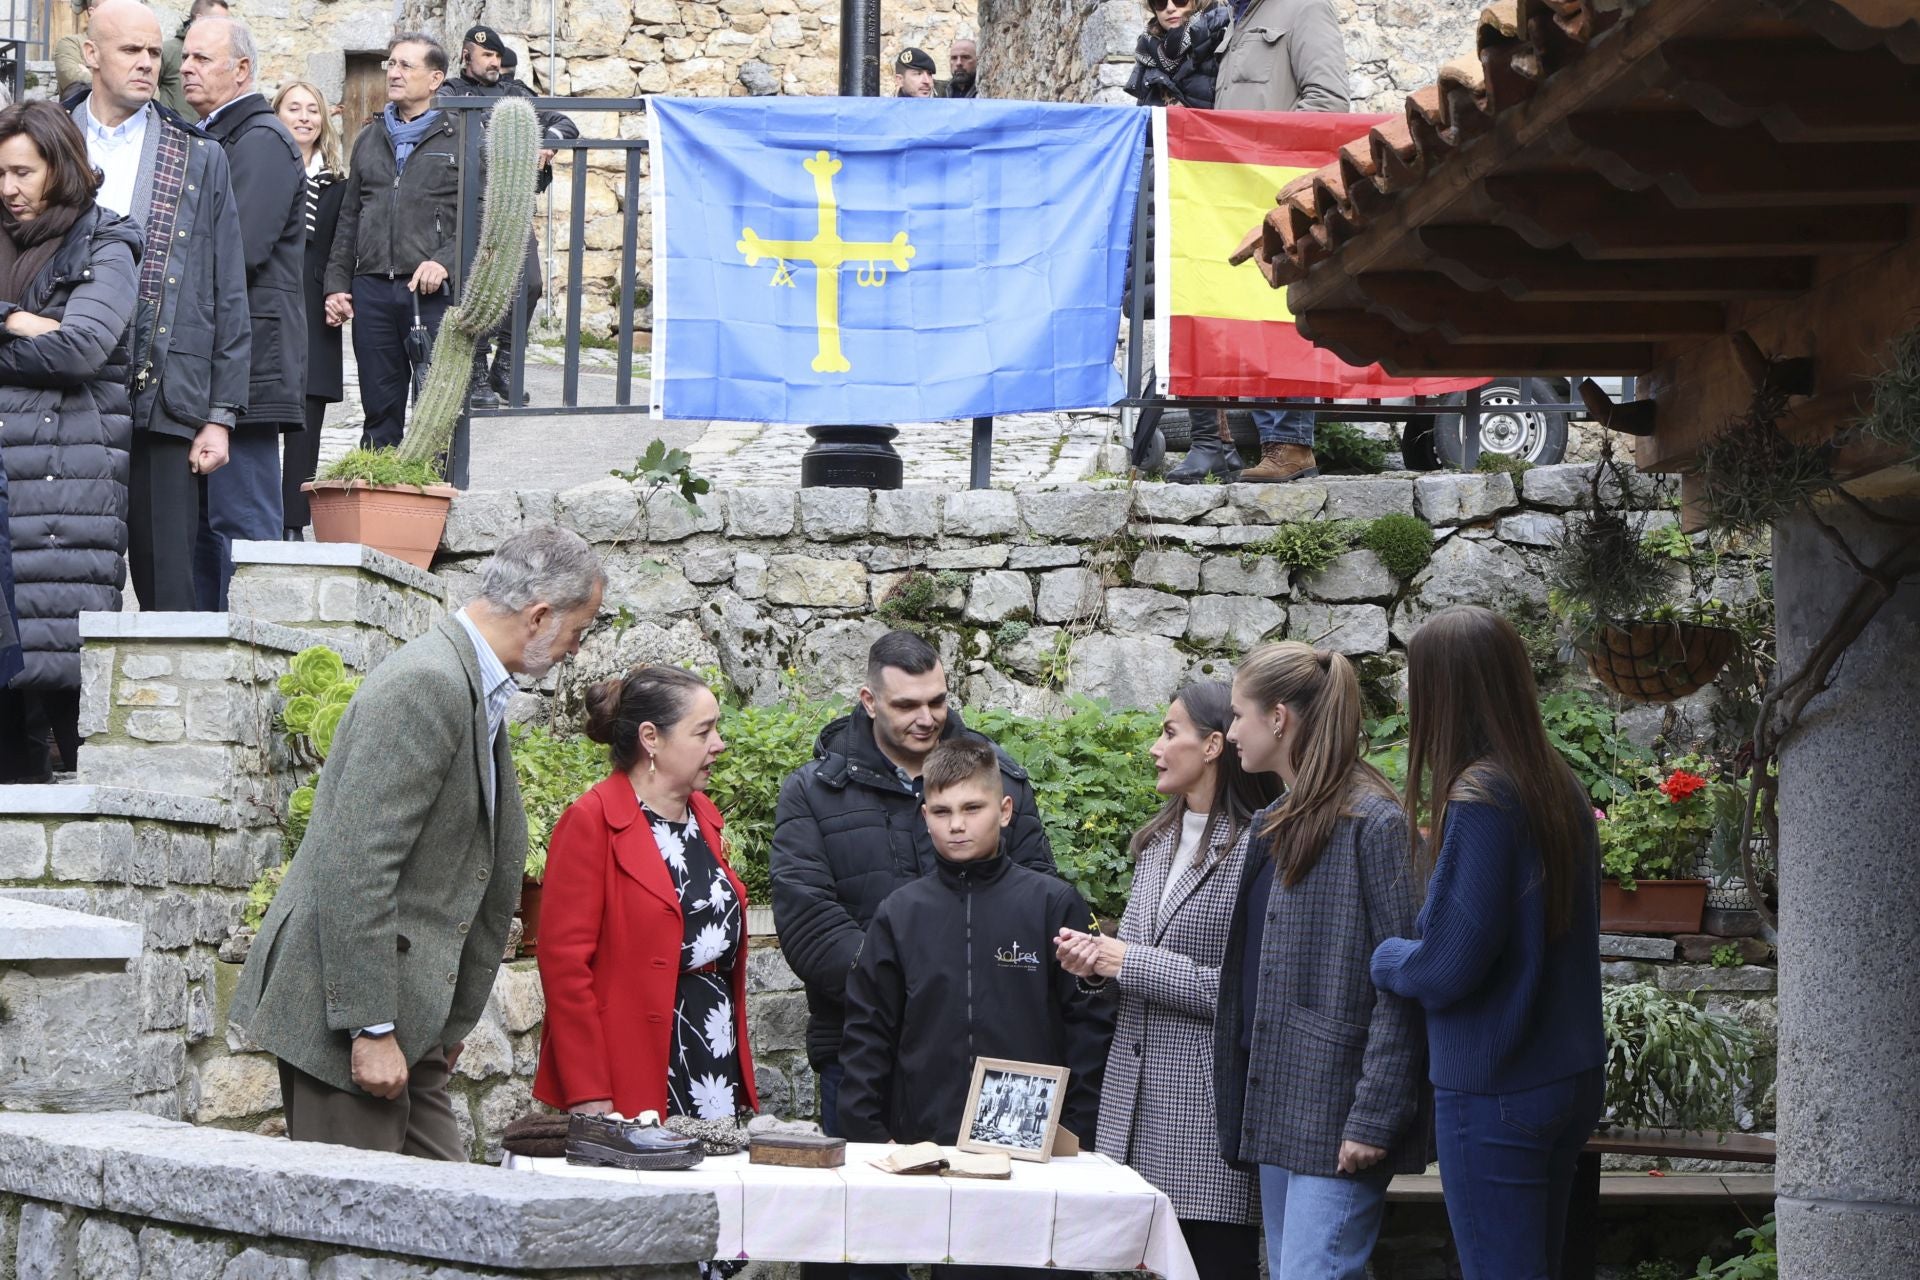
[
  {"x": 1223, "y": 330},
  {"x": 878, "y": 260}
]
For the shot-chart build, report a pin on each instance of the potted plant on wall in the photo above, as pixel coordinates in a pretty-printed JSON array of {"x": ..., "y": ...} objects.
[
  {"x": 395, "y": 499},
  {"x": 1627, "y": 601},
  {"x": 1651, "y": 843}
]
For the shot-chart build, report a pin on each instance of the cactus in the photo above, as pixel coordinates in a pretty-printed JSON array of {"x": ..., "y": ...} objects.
[{"x": 513, "y": 148}]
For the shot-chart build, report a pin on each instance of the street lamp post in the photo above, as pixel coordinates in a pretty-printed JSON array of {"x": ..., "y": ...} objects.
[{"x": 851, "y": 456}]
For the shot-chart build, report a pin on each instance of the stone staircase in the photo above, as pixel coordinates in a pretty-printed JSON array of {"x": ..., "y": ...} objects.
[{"x": 174, "y": 813}]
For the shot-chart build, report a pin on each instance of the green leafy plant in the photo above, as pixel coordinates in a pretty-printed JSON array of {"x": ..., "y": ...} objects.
[
  {"x": 1727, "y": 956},
  {"x": 1660, "y": 1270},
  {"x": 1305, "y": 546},
  {"x": 553, "y": 771},
  {"x": 1404, "y": 543},
  {"x": 663, "y": 468},
  {"x": 1342, "y": 449},
  {"x": 1387, "y": 747},
  {"x": 1671, "y": 1063},
  {"x": 317, "y": 688},
  {"x": 1093, "y": 782},
  {"x": 1761, "y": 1261},
  {"x": 1586, "y": 734},
  {"x": 1601, "y": 572},
  {"x": 1752, "y": 475},
  {"x": 1505, "y": 464},
  {"x": 764, "y": 745},
  {"x": 1893, "y": 407},
  {"x": 513, "y": 145},
  {"x": 1669, "y": 541},
  {"x": 920, "y": 597},
  {"x": 382, "y": 466},
  {"x": 1658, "y": 830}
]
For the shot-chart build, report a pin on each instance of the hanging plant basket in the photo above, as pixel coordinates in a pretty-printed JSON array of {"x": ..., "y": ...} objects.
[
  {"x": 404, "y": 521},
  {"x": 1659, "y": 661}
]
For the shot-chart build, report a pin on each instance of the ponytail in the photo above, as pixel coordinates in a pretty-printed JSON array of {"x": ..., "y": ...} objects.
[{"x": 1321, "y": 690}]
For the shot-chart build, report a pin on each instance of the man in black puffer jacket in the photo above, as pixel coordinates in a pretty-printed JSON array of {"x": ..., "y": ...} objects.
[
  {"x": 973, "y": 944},
  {"x": 848, "y": 831}
]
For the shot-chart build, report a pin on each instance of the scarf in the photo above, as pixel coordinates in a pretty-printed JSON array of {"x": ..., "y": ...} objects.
[
  {"x": 406, "y": 134},
  {"x": 27, "y": 247}
]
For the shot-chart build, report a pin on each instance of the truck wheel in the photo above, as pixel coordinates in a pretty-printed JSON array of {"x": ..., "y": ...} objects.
[{"x": 1530, "y": 435}]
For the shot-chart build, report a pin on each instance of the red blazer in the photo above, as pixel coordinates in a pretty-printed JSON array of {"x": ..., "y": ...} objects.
[{"x": 611, "y": 930}]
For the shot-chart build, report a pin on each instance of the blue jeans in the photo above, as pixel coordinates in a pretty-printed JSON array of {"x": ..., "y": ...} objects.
[
  {"x": 1320, "y": 1228},
  {"x": 1507, "y": 1162},
  {"x": 1291, "y": 426}
]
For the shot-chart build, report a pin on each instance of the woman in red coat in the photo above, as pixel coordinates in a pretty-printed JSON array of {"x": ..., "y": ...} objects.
[{"x": 643, "y": 935}]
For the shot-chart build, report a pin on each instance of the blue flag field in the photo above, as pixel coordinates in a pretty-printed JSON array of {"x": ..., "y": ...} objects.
[{"x": 881, "y": 260}]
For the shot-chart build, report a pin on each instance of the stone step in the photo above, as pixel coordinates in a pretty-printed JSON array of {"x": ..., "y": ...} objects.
[
  {"x": 72, "y": 1009},
  {"x": 186, "y": 704},
  {"x": 348, "y": 593}
]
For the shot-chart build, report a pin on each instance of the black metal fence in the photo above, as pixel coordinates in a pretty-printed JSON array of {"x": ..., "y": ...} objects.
[{"x": 470, "y": 114}]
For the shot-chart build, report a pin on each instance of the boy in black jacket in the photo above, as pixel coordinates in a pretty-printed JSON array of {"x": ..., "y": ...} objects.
[{"x": 957, "y": 966}]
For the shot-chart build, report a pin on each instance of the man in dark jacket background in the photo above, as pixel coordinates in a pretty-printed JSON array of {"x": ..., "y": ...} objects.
[
  {"x": 483, "y": 74},
  {"x": 192, "y": 340},
  {"x": 393, "y": 246},
  {"x": 973, "y": 943},
  {"x": 243, "y": 498},
  {"x": 848, "y": 832}
]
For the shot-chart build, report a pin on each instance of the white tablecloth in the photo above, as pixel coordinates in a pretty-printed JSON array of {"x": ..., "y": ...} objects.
[{"x": 1078, "y": 1213}]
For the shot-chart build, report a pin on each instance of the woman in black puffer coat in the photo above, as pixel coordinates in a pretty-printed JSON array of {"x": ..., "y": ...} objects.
[{"x": 67, "y": 290}]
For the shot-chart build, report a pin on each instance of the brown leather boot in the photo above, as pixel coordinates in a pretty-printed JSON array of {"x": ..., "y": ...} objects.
[{"x": 1280, "y": 463}]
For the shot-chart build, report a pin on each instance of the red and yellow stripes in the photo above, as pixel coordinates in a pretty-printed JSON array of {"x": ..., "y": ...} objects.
[{"x": 1225, "y": 332}]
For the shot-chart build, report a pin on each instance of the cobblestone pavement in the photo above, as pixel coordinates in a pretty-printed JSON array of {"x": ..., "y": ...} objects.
[{"x": 547, "y": 451}]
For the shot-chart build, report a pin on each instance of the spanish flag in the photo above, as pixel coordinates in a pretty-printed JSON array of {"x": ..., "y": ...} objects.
[{"x": 1221, "y": 330}]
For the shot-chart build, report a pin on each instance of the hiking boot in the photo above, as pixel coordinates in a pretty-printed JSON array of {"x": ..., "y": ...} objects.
[
  {"x": 1209, "y": 456},
  {"x": 1280, "y": 463},
  {"x": 482, "y": 396}
]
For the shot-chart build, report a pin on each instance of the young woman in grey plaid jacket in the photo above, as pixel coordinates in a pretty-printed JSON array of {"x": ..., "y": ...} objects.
[
  {"x": 1156, "y": 1110},
  {"x": 1318, "y": 1076}
]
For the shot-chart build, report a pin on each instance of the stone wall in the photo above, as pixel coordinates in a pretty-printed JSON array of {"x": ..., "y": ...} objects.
[
  {"x": 121, "y": 1195},
  {"x": 1101, "y": 589},
  {"x": 1082, "y": 50}
]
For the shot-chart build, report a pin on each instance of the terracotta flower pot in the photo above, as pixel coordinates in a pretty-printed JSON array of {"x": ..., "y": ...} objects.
[
  {"x": 1659, "y": 661},
  {"x": 1653, "y": 906},
  {"x": 530, "y": 890},
  {"x": 400, "y": 520}
]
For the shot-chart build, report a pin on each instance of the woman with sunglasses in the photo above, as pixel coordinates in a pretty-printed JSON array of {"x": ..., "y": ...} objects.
[{"x": 1178, "y": 55}]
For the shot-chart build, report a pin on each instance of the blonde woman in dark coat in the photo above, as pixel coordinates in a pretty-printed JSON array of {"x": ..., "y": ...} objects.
[{"x": 1156, "y": 1099}]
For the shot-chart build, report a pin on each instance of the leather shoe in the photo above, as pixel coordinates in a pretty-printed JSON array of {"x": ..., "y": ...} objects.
[
  {"x": 628, "y": 1144},
  {"x": 1209, "y": 456}
]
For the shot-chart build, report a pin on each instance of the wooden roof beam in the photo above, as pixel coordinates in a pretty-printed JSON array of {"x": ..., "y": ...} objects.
[
  {"x": 1600, "y": 220},
  {"x": 1698, "y": 163},
  {"x": 1801, "y": 92},
  {"x": 1363, "y": 338},
  {"x": 1423, "y": 300},
  {"x": 1481, "y": 257}
]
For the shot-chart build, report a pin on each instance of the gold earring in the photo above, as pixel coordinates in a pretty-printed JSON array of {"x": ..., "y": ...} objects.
[{"x": 652, "y": 768}]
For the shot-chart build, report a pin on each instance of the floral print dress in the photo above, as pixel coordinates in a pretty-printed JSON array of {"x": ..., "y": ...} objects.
[{"x": 703, "y": 1070}]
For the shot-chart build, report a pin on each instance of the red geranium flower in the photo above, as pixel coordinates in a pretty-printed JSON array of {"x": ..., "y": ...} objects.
[{"x": 1681, "y": 784}]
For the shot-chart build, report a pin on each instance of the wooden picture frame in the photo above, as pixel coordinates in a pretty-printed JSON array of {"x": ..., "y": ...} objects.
[{"x": 1004, "y": 1109}]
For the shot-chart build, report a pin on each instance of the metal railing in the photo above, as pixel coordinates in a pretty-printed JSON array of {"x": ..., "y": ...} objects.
[{"x": 469, "y": 111}]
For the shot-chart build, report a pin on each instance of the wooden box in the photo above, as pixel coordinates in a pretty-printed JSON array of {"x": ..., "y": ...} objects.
[{"x": 798, "y": 1150}]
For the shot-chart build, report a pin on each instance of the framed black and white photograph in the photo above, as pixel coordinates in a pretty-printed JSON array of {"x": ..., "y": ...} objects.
[{"x": 1013, "y": 1107}]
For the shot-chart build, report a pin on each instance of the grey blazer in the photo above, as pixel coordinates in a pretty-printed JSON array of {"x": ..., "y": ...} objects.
[
  {"x": 397, "y": 904},
  {"x": 1332, "y": 1058},
  {"x": 1156, "y": 1099}
]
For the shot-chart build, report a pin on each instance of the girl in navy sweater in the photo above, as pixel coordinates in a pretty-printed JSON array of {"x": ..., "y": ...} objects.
[{"x": 1507, "y": 961}]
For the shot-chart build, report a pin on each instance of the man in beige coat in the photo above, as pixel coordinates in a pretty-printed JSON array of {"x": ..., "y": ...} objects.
[{"x": 380, "y": 949}]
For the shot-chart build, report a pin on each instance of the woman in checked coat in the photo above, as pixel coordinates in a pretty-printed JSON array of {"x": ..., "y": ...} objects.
[
  {"x": 1156, "y": 1099},
  {"x": 1321, "y": 1079}
]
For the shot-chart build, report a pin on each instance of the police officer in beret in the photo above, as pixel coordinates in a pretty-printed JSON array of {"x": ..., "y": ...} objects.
[
  {"x": 913, "y": 70},
  {"x": 482, "y": 63}
]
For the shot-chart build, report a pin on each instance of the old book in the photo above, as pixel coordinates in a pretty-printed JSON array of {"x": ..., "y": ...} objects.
[
  {"x": 797, "y": 1150},
  {"x": 978, "y": 1164}
]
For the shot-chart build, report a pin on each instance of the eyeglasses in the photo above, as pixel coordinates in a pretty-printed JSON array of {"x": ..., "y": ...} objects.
[
  {"x": 1158, "y": 5},
  {"x": 399, "y": 64}
]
